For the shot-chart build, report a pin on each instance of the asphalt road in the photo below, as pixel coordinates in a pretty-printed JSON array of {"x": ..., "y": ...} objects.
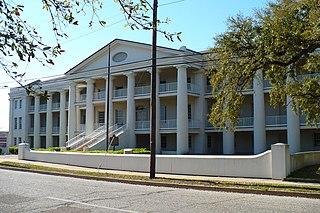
[{"x": 29, "y": 192}]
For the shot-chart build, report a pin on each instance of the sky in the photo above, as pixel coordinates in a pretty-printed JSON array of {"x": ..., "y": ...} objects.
[{"x": 198, "y": 20}]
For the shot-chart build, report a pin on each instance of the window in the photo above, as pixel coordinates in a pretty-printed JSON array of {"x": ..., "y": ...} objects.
[
  {"x": 20, "y": 104},
  {"x": 101, "y": 117},
  {"x": 163, "y": 113},
  {"x": 190, "y": 142},
  {"x": 15, "y": 141},
  {"x": 163, "y": 142},
  {"x": 189, "y": 112},
  {"x": 20, "y": 122},
  {"x": 15, "y": 123},
  {"x": 119, "y": 116},
  {"x": 317, "y": 139},
  {"x": 209, "y": 144},
  {"x": 15, "y": 104},
  {"x": 20, "y": 140}
]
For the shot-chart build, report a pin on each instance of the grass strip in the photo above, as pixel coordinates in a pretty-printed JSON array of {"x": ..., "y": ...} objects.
[{"x": 273, "y": 187}]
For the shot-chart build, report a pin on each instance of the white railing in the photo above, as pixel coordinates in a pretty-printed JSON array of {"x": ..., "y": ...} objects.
[
  {"x": 55, "y": 130},
  {"x": 31, "y": 108},
  {"x": 73, "y": 141},
  {"x": 140, "y": 91},
  {"x": 142, "y": 125},
  {"x": 168, "y": 124},
  {"x": 81, "y": 98},
  {"x": 245, "y": 122},
  {"x": 55, "y": 106},
  {"x": 192, "y": 88},
  {"x": 31, "y": 130},
  {"x": 99, "y": 96},
  {"x": 168, "y": 87},
  {"x": 43, "y": 107},
  {"x": 276, "y": 120},
  {"x": 98, "y": 125},
  {"x": 267, "y": 84},
  {"x": 43, "y": 130},
  {"x": 194, "y": 124},
  {"x": 120, "y": 93},
  {"x": 82, "y": 128}
]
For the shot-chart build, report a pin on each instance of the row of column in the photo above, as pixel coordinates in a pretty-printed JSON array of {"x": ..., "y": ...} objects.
[{"x": 259, "y": 124}]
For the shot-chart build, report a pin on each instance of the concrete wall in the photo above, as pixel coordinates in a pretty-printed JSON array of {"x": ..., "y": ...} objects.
[{"x": 303, "y": 159}]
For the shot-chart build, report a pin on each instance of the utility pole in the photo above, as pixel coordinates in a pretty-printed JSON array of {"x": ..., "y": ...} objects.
[
  {"x": 108, "y": 102},
  {"x": 153, "y": 93}
]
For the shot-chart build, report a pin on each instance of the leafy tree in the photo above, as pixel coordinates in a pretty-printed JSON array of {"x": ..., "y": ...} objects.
[
  {"x": 18, "y": 39},
  {"x": 283, "y": 41}
]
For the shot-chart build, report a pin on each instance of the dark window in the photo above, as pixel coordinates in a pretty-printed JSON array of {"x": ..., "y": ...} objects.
[
  {"x": 20, "y": 122},
  {"x": 163, "y": 142},
  {"x": 163, "y": 113},
  {"x": 101, "y": 118},
  {"x": 209, "y": 143},
  {"x": 189, "y": 112},
  {"x": 190, "y": 141},
  {"x": 15, "y": 123},
  {"x": 15, "y": 104},
  {"x": 317, "y": 139},
  {"x": 20, "y": 104},
  {"x": 15, "y": 141},
  {"x": 20, "y": 140}
]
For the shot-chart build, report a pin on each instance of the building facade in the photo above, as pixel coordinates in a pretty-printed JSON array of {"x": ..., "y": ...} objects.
[{"x": 77, "y": 104}]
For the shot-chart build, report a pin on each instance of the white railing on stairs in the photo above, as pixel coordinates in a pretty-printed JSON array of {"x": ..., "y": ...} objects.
[{"x": 74, "y": 140}]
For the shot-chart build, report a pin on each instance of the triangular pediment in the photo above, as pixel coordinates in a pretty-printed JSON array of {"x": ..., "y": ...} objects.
[{"x": 122, "y": 53}]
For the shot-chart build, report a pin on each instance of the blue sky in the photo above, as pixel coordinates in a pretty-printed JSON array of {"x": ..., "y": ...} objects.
[{"x": 198, "y": 20}]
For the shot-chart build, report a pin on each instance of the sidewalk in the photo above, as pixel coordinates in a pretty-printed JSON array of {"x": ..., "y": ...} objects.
[{"x": 14, "y": 158}]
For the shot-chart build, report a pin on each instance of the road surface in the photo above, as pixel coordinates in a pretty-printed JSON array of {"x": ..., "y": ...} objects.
[{"x": 29, "y": 192}]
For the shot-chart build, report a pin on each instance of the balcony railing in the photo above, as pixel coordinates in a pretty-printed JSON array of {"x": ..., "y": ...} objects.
[
  {"x": 98, "y": 125},
  {"x": 43, "y": 130},
  {"x": 55, "y": 106},
  {"x": 120, "y": 93},
  {"x": 140, "y": 91},
  {"x": 31, "y": 108},
  {"x": 168, "y": 87},
  {"x": 55, "y": 130},
  {"x": 82, "y": 128},
  {"x": 276, "y": 120},
  {"x": 31, "y": 130},
  {"x": 98, "y": 96},
  {"x": 194, "y": 124},
  {"x": 43, "y": 107},
  {"x": 81, "y": 98},
  {"x": 192, "y": 88},
  {"x": 168, "y": 124},
  {"x": 245, "y": 122},
  {"x": 142, "y": 125}
]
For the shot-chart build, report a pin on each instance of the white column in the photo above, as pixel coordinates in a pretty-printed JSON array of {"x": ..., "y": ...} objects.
[
  {"x": 131, "y": 111},
  {"x": 228, "y": 142},
  {"x": 89, "y": 107},
  {"x": 62, "y": 132},
  {"x": 36, "y": 133},
  {"x": 182, "y": 111},
  {"x": 158, "y": 135},
  {"x": 11, "y": 120},
  {"x": 49, "y": 142},
  {"x": 259, "y": 129},
  {"x": 200, "y": 109},
  {"x": 293, "y": 128},
  {"x": 110, "y": 102},
  {"x": 72, "y": 111}
]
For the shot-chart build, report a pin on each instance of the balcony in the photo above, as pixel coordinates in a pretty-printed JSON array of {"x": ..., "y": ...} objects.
[
  {"x": 55, "y": 130},
  {"x": 245, "y": 122},
  {"x": 55, "y": 106},
  {"x": 194, "y": 124},
  {"x": 142, "y": 125},
  {"x": 99, "y": 96},
  {"x": 31, "y": 108},
  {"x": 276, "y": 120},
  {"x": 43, "y": 130},
  {"x": 168, "y": 88},
  {"x": 81, "y": 98},
  {"x": 192, "y": 88},
  {"x": 168, "y": 124},
  {"x": 98, "y": 125},
  {"x": 141, "y": 91},
  {"x": 31, "y": 130},
  {"x": 120, "y": 93},
  {"x": 43, "y": 107}
]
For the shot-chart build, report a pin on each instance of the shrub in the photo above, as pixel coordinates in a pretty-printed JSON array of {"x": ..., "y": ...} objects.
[
  {"x": 0, "y": 150},
  {"x": 141, "y": 151},
  {"x": 13, "y": 150}
]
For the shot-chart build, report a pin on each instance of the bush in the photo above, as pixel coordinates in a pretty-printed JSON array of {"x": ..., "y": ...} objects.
[
  {"x": 0, "y": 150},
  {"x": 141, "y": 151},
  {"x": 13, "y": 150}
]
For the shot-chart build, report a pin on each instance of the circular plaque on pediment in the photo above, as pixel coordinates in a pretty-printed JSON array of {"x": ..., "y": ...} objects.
[{"x": 120, "y": 56}]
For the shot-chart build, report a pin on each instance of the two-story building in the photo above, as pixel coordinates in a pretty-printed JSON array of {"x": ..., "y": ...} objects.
[{"x": 75, "y": 110}]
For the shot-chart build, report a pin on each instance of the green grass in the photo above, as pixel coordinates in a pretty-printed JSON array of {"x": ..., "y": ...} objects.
[
  {"x": 307, "y": 173},
  {"x": 184, "y": 182}
]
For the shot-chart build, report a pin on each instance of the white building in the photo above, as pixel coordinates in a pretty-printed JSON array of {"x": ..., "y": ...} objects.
[{"x": 75, "y": 109}]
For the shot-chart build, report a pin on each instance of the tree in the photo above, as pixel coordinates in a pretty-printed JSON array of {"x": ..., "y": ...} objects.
[
  {"x": 282, "y": 40},
  {"x": 20, "y": 41}
]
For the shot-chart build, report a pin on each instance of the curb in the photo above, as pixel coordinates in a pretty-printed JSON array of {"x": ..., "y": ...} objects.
[{"x": 172, "y": 185}]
